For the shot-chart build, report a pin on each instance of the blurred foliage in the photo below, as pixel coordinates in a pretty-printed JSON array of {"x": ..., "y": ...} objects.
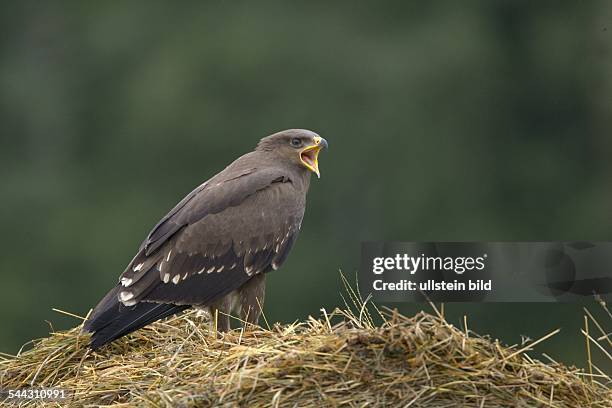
[{"x": 478, "y": 120}]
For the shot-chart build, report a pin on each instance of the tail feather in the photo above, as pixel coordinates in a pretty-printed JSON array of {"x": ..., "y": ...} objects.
[{"x": 111, "y": 320}]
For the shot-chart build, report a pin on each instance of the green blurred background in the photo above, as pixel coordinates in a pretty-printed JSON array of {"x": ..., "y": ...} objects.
[{"x": 477, "y": 120}]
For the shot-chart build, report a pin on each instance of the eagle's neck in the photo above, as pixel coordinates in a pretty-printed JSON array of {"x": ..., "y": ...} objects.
[
  {"x": 301, "y": 179},
  {"x": 297, "y": 173}
]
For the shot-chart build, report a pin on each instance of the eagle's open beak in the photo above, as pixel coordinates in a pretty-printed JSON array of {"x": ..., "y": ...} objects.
[{"x": 310, "y": 155}]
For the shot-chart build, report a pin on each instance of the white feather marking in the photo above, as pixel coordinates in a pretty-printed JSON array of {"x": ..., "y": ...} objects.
[
  {"x": 185, "y": 275},
  {"x": 138, "y": 267},
  {"x": 130, "y": 302},
  {"x": 274, "y": 265},
  {"x": 168, "y": 257},
  {"x": 166, "y": 277},
  {"x": 201, "y": 270},
  {"x": 125, "y": 296},
  {"x": 249, "y": 269},
  {"x": 161, "y": 265},
  {"x": 219, "y": 269},
  {"x": 277, "y": 248},
  {"x": 233, "y": 266},
  {"x": 176, "y": 279},
  {"x": 126, "y": 281},
  {"x": 211, "y": 269}
]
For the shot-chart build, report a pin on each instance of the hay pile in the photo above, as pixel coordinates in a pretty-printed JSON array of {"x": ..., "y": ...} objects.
[{"x": 339, "y": 359}]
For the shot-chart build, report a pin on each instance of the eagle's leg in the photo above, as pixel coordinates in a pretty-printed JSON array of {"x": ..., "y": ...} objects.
[
  {"x": 251, "y": 297},
  {"x": 220, "y": 311}
]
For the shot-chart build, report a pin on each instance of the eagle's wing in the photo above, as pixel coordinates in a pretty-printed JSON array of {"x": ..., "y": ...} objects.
[
  {"x": 234, "y": 226},
  {"x": 216, "y": 239}
]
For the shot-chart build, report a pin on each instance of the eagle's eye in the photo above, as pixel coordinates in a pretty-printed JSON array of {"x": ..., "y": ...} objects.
[{"x": 296, "y": 142}]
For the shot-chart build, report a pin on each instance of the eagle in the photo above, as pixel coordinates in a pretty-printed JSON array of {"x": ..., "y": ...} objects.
[{"x": 212, "y": 251}]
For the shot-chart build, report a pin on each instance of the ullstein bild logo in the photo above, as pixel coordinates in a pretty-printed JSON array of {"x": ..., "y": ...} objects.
[
  {"x": 485, "y": 271},
  {"x": 412, "y": 265}
]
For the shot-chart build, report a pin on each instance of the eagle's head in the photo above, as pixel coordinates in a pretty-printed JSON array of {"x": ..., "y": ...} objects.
[{"x": 299, "y": 146}]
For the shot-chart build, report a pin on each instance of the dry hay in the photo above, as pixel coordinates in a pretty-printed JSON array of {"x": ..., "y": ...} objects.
[{"x": 338, "y": 360}]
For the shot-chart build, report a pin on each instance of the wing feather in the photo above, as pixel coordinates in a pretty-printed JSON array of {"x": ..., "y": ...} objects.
[{"x": 202, "y": 251}]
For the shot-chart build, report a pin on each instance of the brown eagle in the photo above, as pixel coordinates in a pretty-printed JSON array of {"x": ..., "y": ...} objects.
[{"x": 213, "y": 250}]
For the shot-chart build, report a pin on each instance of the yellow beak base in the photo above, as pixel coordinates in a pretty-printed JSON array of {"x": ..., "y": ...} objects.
[{"x": 309, "y": 157}]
